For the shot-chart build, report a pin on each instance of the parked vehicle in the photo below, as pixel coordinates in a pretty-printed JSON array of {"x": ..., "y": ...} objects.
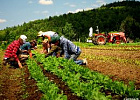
[{"x": 103, "y": 38}]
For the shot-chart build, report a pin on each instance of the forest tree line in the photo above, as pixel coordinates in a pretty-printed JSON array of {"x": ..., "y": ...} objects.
[{"x": 118, "y": 16}]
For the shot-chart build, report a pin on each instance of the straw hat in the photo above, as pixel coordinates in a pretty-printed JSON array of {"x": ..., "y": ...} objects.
[{"x": 40, "y": 33}]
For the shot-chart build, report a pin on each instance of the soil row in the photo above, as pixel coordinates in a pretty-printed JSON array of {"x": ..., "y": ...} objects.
[{"x": 15, "y": 84}]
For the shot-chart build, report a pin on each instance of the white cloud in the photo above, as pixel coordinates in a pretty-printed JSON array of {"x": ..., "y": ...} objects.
[
  {"x": 46, "y": 2},
  {"x": 70, "y": 12},
  {"x": 72, "y": 5},
  {"x": 66, "y": 3},
  {"x": 88, "y": 9},
  {"x": 80, "y": 10},
  {"x": 77, "y": 10},
  {"x": 95, "y": 5},
  {"x": 84, "y": 2},
  {"x": 2, "y": 20},
  {"x": 41, "y": 12},
  {"x": 30, "y": 2},
  {"x": 45, "y": 12},
  {"x": 101, "y": 2}
]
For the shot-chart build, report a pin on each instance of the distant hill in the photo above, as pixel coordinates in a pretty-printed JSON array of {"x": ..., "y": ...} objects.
[
  {"x": 117, "y": 16},
  {"x": 126, "y": 3}
]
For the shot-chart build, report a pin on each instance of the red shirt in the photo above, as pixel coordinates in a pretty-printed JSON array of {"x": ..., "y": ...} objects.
[{"x": 11, "y": 51}]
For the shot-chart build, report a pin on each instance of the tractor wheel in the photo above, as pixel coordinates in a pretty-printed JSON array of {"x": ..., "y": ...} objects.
[
  {"x": 117, "y": 41},
  {"x": 100, "y": 40}
]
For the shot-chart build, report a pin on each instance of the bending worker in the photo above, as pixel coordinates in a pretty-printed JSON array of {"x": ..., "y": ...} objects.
[
  {"x": 70, "y": 50},
  {"x": 27, "y": 47},
  {"x": 46, "y": 42},
  {"x": 12, "y": 51}
]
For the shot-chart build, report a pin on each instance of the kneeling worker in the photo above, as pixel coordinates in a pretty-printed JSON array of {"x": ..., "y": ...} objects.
[
  {"x": 26, "y": 49},
  {"x": 11, "y": 53},
  {"x": 46, "y": 39},
  {"x": 70, "y": 50}
]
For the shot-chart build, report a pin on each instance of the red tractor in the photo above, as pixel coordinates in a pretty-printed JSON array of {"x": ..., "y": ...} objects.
[{"x": 101, "y": 39}]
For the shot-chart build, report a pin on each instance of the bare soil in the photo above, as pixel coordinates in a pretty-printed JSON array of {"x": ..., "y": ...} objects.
[
  {"x": 16, "y": 84},
  {"x": 117, "y": 70}
]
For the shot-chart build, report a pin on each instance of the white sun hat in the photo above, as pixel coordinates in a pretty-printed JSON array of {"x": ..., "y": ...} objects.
[
  {"x": 40, "y": 33},
  {"x": 23, "y": 37}
]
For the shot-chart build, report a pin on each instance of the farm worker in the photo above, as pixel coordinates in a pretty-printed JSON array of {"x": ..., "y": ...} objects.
[
  {"x": 55, "y": 50},
  {"x": 26, "y": 49},
  {"x": 70, "y": 50},
  {"x": 12, "y": 51},
  {"x": 48, "y": 35},
  {"x": 45, "y": 44}
]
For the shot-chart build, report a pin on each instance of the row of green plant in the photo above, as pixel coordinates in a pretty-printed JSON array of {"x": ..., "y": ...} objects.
[
  {"x": 85, "y": 90},
  {"x": 49, "y": 89},
  {"x": 84, "y": 82}
]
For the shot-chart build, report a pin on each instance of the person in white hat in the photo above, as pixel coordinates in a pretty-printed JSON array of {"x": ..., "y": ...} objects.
[
  {"x": 11, "y": 53},
  {"x": 49, "y": 35}
]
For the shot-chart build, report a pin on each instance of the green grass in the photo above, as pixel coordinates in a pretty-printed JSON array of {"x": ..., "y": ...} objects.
[
  {"x": 81, "y": 44},
  {"x": 1, "y": 57},
  {"x": 91, "y": 45}
]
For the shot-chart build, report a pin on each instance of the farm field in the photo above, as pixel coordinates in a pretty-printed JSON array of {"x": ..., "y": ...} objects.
[
  {"x": 115, "y": 63},
  {"x": 120, "y": 62}
]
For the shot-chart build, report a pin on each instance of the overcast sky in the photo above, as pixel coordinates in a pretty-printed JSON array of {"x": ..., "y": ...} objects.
[{"x": 16, "y": 12}]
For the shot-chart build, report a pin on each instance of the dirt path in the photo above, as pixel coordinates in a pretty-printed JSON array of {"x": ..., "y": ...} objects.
[
  {"x": 11, "y": 84},
  {"x": 15, "y": 84},
  {"x": 31, "y": 88}
]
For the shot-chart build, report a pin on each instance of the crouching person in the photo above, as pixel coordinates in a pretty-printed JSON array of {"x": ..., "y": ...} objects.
[
  {"x": 11, "y": 54},
  {"x": 54, "y": 51},
  {"x": 70, "y": 50},
  {"x": 46, "y": 46},
  {"x": 26, "y": 48}
]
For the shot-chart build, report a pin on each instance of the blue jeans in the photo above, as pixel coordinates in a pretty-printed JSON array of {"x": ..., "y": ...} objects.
[
  {"x": 79, "y": 62},
  {"x": 75, "y": 56}
]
